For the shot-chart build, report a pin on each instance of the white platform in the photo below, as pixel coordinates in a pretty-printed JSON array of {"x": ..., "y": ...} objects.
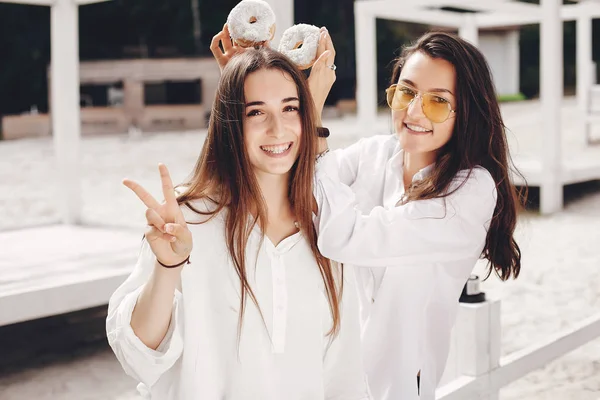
[{"x": 56, "y": 269}]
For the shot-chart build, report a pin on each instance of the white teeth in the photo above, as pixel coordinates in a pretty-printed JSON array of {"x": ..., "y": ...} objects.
[
  {"x": 417, "y": 128},
  {"x": 276, "y": 149}
]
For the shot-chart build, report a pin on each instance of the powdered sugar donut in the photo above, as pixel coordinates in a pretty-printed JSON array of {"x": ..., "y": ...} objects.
[
  {"x": 251, "y": 23},
  {"x": 300, "y": 43}
]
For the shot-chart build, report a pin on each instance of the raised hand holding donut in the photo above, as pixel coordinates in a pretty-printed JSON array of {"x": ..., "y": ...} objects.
[
  {"x": 322, "y": 75},
  {"x": 227, "y": 48},
  {"x": 167, "y": 233}
]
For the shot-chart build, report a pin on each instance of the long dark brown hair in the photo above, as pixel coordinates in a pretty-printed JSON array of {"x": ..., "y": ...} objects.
[
  {"x": 224, "y": 176},
  {"x": 478, "y": 139}
]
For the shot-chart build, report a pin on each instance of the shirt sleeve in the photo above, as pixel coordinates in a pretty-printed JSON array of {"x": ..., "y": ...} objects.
[
  {"x": 345, "y": 378},
  {"x": 139, "y": 361},
  {"x": 435, "y": 230},
  {"x": 348, "y": 161}
]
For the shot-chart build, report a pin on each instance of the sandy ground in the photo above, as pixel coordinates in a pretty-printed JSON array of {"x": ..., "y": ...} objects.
[{"x": 559, "y": 285}]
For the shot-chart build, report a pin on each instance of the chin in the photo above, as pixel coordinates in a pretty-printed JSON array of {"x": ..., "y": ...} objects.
[
  {"x": 279, "y": 169},
  {"x": 417, "y": 144},
  {"x": 411, "y": 144}
]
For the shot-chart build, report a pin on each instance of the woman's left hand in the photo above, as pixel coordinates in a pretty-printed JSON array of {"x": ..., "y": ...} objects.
[{"x": 322, "y": 75}]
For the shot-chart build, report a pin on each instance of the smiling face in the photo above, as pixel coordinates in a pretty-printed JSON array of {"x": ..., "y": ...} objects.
[
  {"x": 416, "y": 132},
  {"x": 272, "y": 122}
]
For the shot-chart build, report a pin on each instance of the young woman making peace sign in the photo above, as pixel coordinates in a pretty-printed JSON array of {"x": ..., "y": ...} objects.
[{"x": 258, "y": 312}]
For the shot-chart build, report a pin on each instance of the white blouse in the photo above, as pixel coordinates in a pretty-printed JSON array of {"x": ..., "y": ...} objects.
[
  {"x": 413, "y": 260},
  {"x": 286, "y": 356}
]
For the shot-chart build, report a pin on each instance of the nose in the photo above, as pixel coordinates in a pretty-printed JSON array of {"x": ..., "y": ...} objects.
[
  {"x": 276, "y": 127},
  {"x": 415, "y": 108}
]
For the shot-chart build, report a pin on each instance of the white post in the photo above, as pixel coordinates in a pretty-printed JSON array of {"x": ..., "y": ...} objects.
[
  {"x": 478, "y": 338},
  {"x": 584, "y": 69},
  {"x": 512, "y": 62},
  {"x": 469, "y": 30},
  {"x": 474, "y": 350},
  {"x": 66, "y": 122},
  {"x": 366, "y": 66},
  {"x": 284, "y": 14},
  {"x": 551, "y": 93}
]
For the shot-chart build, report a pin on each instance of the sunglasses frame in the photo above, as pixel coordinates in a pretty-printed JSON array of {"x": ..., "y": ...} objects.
[{"x": 418, "y": 94}]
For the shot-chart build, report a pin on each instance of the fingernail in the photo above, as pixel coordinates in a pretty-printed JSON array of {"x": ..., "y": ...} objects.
[
  {"x": 169, "y": 228},
  {"x": 173, "y": 239}
]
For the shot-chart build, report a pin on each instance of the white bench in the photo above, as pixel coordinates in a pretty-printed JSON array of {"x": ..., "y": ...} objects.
[{"x": 52, "y": 270}]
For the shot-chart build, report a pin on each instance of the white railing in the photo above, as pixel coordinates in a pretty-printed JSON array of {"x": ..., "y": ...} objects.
[{"x": 475, "y": 369}]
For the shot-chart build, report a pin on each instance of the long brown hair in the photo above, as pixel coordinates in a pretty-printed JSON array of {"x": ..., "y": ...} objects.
[
  {"x": 478, "y": 139},
  {"x": 223, "y": 173}
]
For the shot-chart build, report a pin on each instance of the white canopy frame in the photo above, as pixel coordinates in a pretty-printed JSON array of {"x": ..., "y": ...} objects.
[{"x": 492, "y": 14}]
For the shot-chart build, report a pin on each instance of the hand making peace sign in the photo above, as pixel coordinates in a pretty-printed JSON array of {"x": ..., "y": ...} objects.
[{"x": 168, "y": 234}]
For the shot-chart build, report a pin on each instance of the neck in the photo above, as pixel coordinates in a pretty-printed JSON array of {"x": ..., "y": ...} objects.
[
  {"x": 274, "y": 190},
  {"x": 413, "y": 163}
]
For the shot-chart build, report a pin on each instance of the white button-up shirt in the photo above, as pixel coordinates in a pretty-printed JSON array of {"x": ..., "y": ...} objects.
[
  {"x": 413, "y": 259},
  {"x": 286, "y": 356}
]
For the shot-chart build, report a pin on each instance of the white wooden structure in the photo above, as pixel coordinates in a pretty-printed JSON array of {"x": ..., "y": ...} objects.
[
  {"x": 476, "y": 370},
  {"x": 49, "y": 251},
  {"x": 548, "y": 170},
  {"x": 64, "y": 99},
  {"x": 51, "y": 270}
]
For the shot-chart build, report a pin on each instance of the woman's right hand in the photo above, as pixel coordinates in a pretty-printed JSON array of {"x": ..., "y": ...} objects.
[
  {"x": 229, "y": 48},
  {"x": 167, "y": 233}
]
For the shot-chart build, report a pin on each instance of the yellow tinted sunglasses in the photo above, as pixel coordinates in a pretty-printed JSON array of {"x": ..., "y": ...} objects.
[{"x": 436, "y": 108}]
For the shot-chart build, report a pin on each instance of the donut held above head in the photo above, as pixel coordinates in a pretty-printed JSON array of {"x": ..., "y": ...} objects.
[
  {"x": 251, "y": 23},
  {"x": 300, "y": 43}
]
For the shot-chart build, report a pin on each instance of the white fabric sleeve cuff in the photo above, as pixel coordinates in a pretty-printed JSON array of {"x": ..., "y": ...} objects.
[{"x": 138, "y": 360}]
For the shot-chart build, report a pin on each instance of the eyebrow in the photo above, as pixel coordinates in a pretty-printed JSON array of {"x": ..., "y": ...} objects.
[
  {"x": 262, "y": 103},
  {"x": 435, "y": 90}
]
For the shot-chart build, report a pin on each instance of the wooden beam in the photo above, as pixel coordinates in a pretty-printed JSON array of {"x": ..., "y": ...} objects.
[
  {"x": 84, "y": 2},
  {"x": 520, "y": 363},
  {"x": 571, "y": 12},
  {"x": 388, "y": 9},
  {"x": 497, "y": 20},
  {"x": 30, "y": 2},
  {"x": 505, "y": 7}
]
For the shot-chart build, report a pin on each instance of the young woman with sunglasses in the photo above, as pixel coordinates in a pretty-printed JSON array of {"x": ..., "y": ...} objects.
[{"x": 415, "y": 210}]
